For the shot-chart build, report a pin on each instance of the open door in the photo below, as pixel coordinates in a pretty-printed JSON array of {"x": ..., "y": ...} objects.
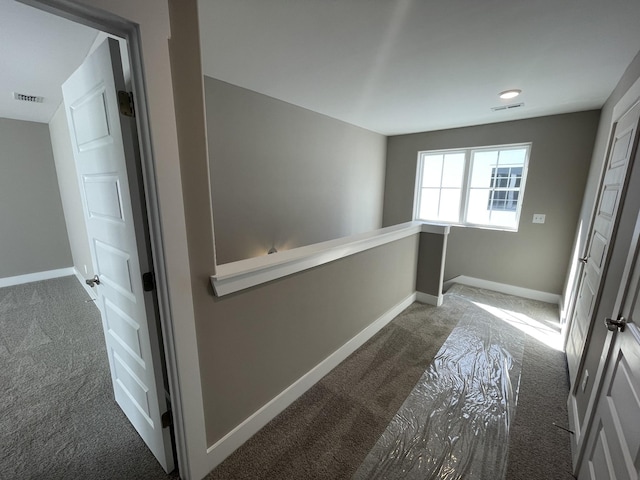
[
  {"x": 113, "y": 204},
  {"x": 600, "y": 237},
  {"x": 613, "y": 438}
]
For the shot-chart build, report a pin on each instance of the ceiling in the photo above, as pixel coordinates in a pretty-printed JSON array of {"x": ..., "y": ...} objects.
[
  {"x": 391, "y": 66},
  {"x": 404, "y": 66},
  {"x": 38, "y": 52}
]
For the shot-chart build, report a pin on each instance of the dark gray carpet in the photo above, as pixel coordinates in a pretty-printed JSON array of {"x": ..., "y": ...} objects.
[
  {"x": 328, "y": 432},
  {"x": 455, "y": 422},
  {"x": 538, "y": 449},
  {"x": 59, "y": 419}
]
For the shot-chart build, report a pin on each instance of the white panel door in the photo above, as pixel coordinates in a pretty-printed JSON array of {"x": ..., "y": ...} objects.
[
  {"x": 103, "y": 149},
  {"x": 613, "y": 440},
  {"x": 600, "y": 237}
]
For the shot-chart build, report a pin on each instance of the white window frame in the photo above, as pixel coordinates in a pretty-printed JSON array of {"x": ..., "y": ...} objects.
[{"x": 468, "y": 160}]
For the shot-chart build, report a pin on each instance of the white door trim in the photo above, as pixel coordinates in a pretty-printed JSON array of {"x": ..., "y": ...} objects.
[
  {"x": 118, "y": 26},
  {"x": 626, "y": 287},
  {"x": 626, "y": 103},
  {"x": 582, "y": 430}
]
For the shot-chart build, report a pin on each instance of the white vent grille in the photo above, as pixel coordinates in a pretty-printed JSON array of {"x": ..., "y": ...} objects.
[
  {"x": 27, "y": 98},
  {"x": 507, "y": 107}
]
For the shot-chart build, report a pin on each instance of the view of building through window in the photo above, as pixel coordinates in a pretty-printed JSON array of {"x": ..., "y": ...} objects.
[
  {"x": 476, "y": 186},
  {"x": 505, "y": 182}
]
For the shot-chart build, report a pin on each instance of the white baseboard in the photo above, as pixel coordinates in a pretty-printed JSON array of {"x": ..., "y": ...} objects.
[
  {"x": 429, "y": 299},
  {"x": 35, "y": 277},
  {"x": 234, "y": 439},
  {"x": 561, "y": 310},
  {"x": 86, "y": 287},
  {"x": 504, "y": 288}
]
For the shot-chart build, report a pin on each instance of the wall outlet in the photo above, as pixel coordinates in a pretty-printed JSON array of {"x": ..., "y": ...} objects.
[{"x": 539, "y": 217}]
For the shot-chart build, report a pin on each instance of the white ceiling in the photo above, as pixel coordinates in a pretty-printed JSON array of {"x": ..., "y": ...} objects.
[
  {"x": 38, "y": 52},
  {"x": 402, "y": 66}
]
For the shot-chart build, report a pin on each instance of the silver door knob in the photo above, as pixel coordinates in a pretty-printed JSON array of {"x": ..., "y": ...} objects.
[
  {"x": 613, "y": 325},
  {"x": 92, "y": 282},
  {"x": 583, "y": 260}
]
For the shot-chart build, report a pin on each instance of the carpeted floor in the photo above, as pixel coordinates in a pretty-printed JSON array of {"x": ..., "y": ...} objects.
[
  {"x": 331, "y": 428},
  {"x": 329, "y": 431},
  {"x": 59, "y": 419},
  {"x": 538, "y": 449}
]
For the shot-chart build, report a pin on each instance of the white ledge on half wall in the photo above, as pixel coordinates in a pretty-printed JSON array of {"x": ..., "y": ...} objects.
[{"x": 236, "y": 276}]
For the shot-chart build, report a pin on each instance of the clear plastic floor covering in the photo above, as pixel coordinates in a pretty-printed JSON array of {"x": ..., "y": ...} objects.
[{"x": 455, "y": 422}]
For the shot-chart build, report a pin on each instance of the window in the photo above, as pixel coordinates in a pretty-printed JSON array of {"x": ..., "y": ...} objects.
[
  {"x": 505, "y": 185},
  {"x": 480, "y": 187}
]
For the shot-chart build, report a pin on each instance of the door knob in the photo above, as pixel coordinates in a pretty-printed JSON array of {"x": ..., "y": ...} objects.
[
  {"x": 583, "y": 260},
  {"x": 613, "y": 325},
  {"x": 92, "y": 282}
]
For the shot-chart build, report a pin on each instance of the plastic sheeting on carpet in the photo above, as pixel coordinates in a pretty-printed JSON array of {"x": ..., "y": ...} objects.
[{"x": 455, "y": 422}]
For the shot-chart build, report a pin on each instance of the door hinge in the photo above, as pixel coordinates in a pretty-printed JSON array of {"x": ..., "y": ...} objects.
[
  {"x": 167, "y": 419},
  {"x": 125, "y": 103},
  {"x": 148, "y": 282}
]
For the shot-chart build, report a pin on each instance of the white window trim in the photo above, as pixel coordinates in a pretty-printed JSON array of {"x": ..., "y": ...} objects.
[{"x": 468, "y": 155}]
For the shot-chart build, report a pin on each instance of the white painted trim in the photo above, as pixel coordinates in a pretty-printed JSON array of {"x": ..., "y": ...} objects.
[
  {"x": 429, "y": 299},
  {"x": 35, "y": 277},
  {"x": 561, "y": 311},
  {"x": 236, "y": 276},
  {"x": 90, "y": 291},
  {"x": 434, "y": 228},
  {"x": 504, "y": 288},
  {"x": 574, "y": 426},
  {"x": 234, "y": 439}
]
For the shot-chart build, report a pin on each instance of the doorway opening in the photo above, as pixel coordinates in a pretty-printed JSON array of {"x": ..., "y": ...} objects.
[{"x": 121, "y": 372}]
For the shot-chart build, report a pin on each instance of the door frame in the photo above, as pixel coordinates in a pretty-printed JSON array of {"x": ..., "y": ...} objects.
[
  {"x": 129, "y": 31},
  {"x": 579, "y": 278},
  {"x": 625, "y": 288},
  {"x": 571, "y": 303},
  {"x": 577, "y": 426},
  {"x": 632, "y": 179}
]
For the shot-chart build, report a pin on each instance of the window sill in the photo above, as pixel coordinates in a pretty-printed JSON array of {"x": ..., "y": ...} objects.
[
  {"x": 479, "y": 227},
  {"x": 236, "y": 276}
]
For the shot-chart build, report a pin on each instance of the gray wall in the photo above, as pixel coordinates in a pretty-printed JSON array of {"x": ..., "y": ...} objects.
[
  {"x": 255, "y": 344},
  {"x": 284, "y": 176},
  {"x": 70, "y": 192},
  {"x": 430, "y": 263},
  {"x": 598, "y": 333},
  {"x": 536, "y": 256},
  {"x": 33, "y": 237}
]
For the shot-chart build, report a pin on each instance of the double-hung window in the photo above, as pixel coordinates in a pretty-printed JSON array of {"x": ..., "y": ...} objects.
[{"x": 482, "y": 187}]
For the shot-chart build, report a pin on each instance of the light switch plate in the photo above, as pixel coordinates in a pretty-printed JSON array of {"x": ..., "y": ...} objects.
[{"x": 539, "y": 217}]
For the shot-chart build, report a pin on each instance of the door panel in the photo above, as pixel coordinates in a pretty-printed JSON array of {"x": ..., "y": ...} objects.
[
  {"x": 124, "y": 330},
  {"x": 104, "y": 201},
  {"x": 613, "y": 439},
  {"x": 600, "y": 463},
  {"x": 617, "y": 436},
  {"x": 104, "y": 154},
  {"x": 599, "y": 240}
]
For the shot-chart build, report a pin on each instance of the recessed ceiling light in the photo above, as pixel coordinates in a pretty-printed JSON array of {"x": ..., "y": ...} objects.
[{"x": 507, "y": 94}]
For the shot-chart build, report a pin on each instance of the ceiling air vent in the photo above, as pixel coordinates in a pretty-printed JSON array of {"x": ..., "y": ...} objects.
[
  {"x": 507, "y": 107},
  {"x": 27, "y": 98}
]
